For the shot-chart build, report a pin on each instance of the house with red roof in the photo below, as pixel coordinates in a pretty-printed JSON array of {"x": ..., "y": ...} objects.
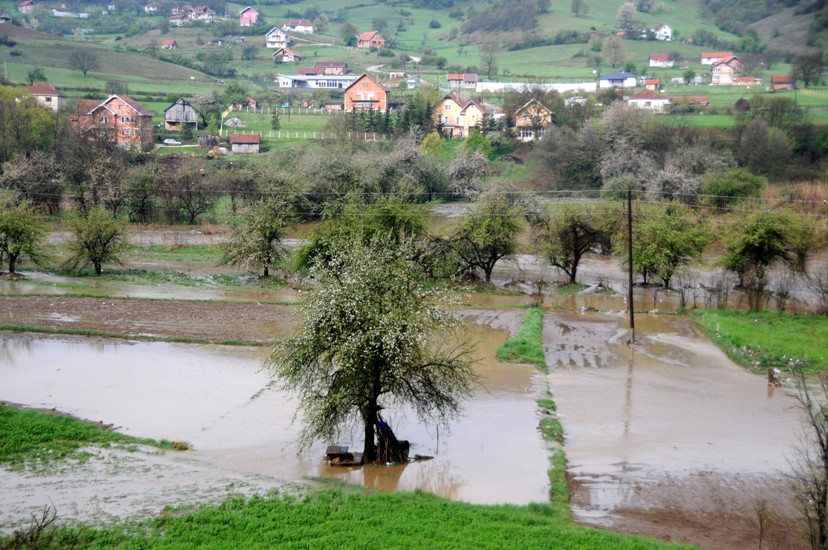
[
  {"x": 532, "y": 120},
  {"x": 286, "y": 55},
  {"x": 780, "y": 82},
  {"x": 169, "y": 44},
  {"x": 723, "y": 72},
  {"x": 457, "y": 116},
  {"x": 747, "y": 81},
  {"x": 462, "y": 80},
  {"x": 661, "y": 60},
  {"x": 118, "y": 119},
  {"x": 709, "y": 58},
  {"x": 370, "y": 39},
  {"x": 648, "y": 99},
  {"x": 244, "y": 143},
  {"x": 332, "y": 67},
  {"x": 46, "y": 94},
  {"x": 26, "y": 6},
  {"x": 366, "y": 94},
  {"x": 298, "y": 25}
]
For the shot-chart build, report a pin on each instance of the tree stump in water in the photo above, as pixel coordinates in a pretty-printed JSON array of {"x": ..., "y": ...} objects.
[{"x": 389, "y": 449}]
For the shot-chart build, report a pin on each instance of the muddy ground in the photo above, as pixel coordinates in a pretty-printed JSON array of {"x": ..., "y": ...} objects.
[{"x": 713, "y": 511}]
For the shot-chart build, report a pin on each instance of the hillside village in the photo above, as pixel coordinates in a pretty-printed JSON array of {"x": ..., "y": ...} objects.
[{"x": 364, "y": 189}]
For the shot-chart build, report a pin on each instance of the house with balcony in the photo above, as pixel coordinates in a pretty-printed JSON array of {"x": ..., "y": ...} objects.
[{"x": 366, "y": 94}]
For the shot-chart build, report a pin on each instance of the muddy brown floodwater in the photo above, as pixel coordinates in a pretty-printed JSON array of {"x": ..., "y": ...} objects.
[
  {"x": 670, "y": 439},
  {"x": 218, "y": 399}
]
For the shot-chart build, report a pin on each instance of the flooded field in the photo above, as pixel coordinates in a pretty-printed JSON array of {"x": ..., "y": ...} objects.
[
  {"x": 669, "y": 438},
  {"x": 218, "y": 399}
]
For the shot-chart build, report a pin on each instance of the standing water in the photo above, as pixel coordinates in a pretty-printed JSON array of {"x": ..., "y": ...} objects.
[{"x": 242, "y": 428}]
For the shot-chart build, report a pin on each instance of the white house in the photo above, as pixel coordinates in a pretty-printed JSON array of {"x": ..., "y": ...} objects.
[
  {"x": 621, "y": 79},
  {"x": 661, "y": 60},
  {"x": 277, "y": 38},
  {"x": 298, "y": 25},
  {"x": 663, "y": 32},
  {"x": 647, "y": 99},
  {"x": 330, "y": 82}
]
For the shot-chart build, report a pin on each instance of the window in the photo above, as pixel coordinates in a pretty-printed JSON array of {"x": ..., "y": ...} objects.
[
  {"x": 48, "y": 99},
  {"x": 127, "y": 133},
  {"x": 447, "y": 107},
  {"x": 103, "y": 120}
]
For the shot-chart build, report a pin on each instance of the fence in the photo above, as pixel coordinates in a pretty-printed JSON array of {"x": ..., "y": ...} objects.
[{"x": 287, "y": 134}]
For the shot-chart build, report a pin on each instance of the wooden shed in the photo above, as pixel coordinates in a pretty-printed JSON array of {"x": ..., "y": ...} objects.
[
  {"x": 180, "y": 115},
  {"x": 244, "y": 143}
]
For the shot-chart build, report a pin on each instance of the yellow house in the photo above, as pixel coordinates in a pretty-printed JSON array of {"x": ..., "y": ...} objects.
[
  {"x": 458, "y": 116},
  {"x": 532, "y": 120}
]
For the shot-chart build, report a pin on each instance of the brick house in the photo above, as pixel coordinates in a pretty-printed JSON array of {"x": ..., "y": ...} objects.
[
  {"x": 532, "y": 120},
  {"x": 370, "y": 39},
  {"x": 48, "y": 95},
  {"x": 248, "y": 17},
  {"x": 118, "y": 119},
  {"x": 366, "y": 94},
  {"x": 244, "y": 143}
]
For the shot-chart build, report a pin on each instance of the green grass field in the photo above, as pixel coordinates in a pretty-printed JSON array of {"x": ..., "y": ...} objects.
[
  {"x": 28, "y": 436},
  {"x": 763, "y": 340},
  {"x": 359, "y": 519},
  {"x": 526, "y": 346}
]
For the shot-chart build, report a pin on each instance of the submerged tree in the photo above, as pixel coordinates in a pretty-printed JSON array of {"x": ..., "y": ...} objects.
[
  {"x": 99, "y": 238},
  {"x": 567, "y": 232},
  {"x": 371, "y": 337},
  {"x": 488, "y": 233},
  {"x": 256, "y": 236},
  {"x": 22, "y": 232},
  {"x": 665, "y": 238},
  {"x": 763, "y": 240}
]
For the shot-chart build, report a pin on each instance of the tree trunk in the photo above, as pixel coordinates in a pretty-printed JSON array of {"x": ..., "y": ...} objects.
[
  {"x": 369, "y": 450},
  {"x": 12, "y": 263},
  {"x": 390, "y": 449},
  {"x": 98, "y": 267},
  {"x": 266, "y": 271}
]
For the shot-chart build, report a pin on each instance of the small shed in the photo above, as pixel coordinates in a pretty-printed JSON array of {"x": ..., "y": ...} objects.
[
  {"x": 180, "y": 115},
  {"x": 244, "y": 143}
]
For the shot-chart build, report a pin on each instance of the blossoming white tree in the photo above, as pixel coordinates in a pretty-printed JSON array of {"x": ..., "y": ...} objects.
[{"x": 371, "y": 337}]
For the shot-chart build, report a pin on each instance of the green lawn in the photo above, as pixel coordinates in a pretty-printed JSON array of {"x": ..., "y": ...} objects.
[{"x": 767, "y": 339}]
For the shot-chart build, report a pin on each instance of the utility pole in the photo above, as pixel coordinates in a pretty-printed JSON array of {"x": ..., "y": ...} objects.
[{"x": 630, "y": 265}]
